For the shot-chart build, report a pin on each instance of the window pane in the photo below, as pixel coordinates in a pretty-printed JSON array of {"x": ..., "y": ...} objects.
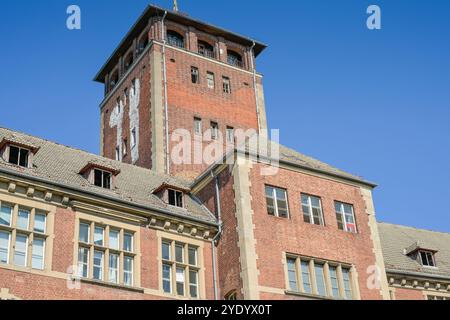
[
  {"x": 292, "y": 274},
  {"x": 23, "y": 159},
  {"x": 23, "y": 219},
  {"x": 167, "y": 278},
  {"x": 128, "y": 242},
  {"x": 306, "y": 277},
  {"x": 83, "y": 262},
  {"x": 320, "y": 280},
  {"x": 180, "y": 281},
  {"x": 98, "y": 178},
  {"x": 340, "y": 221},
  {"x": 179, "y": 253},
  {"x": 281, "y": 194},
  {"x": 20, "y": 252},
  {"x": 5, "y": 215},
  {"x": 114, "y": 268},
  {"x": 269, "y": 191},
  {"x": 84, "y": 233},
  {"x": 4, "y": 246},
  {"x": 98, "y": 265},
  {"x": 37, "y": 256},
  {"x": 106, "y": 180},
  {"x": 98, "y": 236},
  {"x": 114, "y": 239},
  {"x": 39, "y": 222},
  {"x": 166, "y": 251},
  {"x": 128, "y": 271},
  {"x": 347, "y": 286},
  {"x": 192, "y": 256},
  {"x": 13, "y": 155},
  {"x": 193, "y": 284},
  {"x": 334, "y": 282}
]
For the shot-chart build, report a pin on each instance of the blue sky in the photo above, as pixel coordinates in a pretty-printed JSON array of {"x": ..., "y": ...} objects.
[{"x": 374, "y": 103}]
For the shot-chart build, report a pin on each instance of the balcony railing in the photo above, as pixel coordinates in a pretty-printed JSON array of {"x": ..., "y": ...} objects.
[
  {"x": 207, "y": 53},
  {"x": 236, "y": 63},
  {"x": 175, "y": 42}
]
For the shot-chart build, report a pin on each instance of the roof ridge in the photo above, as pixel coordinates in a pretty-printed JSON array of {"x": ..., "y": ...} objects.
[{"x": 413, "y": 228}]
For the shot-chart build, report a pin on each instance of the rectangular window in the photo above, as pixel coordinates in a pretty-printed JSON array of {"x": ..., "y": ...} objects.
[
  {"x": 292, "y": 274},
  {"x": 5, "y": 238},
  {"x": 98, "y": 265},
  {"x": 312, "y": 210},
  {"x": 84, "y": 233},
  {"x": 306, "y": 277},
  {"x": 18, "y": 156},
  {"x": 114, "y": 268},
  {"x": 194, "y": 75},
  {"x": 117, "y": 154},
  {"x": 125, "y": 147},
  {"x": 276, "y": 199},
  {"x": 102, "y": 179},
  {"x": 214, "y": 130},
  {"x": 167, "y": 278},
  {"x": 23, "y": 219},
  {"x": 128, "y": 271},
  {"x": 193, "y": 284},
  {"x": 198, "y": 126},
  {"x": 334, "y": 282},
  {"x": 427, "y": 258},
  {"x": 20, "y": 252},
  {"x": 83, "y": 262},
  {"x": 5, "y": 215},
  {"x": 40, "y": 222},
  {"x": 128, "y": 242},
  {"x": 345, "y": 217},
  {"x": 347, "y": 284},
  {"x": 99, "y": 235},
  {"x": 133, "y": 138},
  {"x": 230, "y": 134},
  {"x": 210, "y": 80},
  {"x": 37, "y": 254},
  {"x": 320, "y": 280},
  {"x": 175, "y": 198},
  {"x": 114, "y": 239},
  {"x": 186, "y": 273},
  {"x": 226, "y": 85},
  {"x": 180, "y": 281}
]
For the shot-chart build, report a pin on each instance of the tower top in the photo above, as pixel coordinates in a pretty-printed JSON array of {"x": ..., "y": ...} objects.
[{"x": 175, "y": 5}]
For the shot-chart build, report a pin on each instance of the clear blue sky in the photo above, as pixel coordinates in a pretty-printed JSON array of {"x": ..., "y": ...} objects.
[{"x": 374, "y": 103}]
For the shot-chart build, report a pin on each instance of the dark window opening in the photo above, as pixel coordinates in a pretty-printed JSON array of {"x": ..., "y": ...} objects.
[
  {"x": 427, "y": 258},
  {"x": 143, "y": 43},
  {"x": 175, "y": 39},
  {"x": 18, "y": 156},
  {"x": 175, "y": 198},
  {"x": 234, "y": 58},
  {"x": 206, "y": 50},
  {"x": 194, "y": 75},
  {"x": 114, "y": 79},
  {"x": 214, "y": 130},
  {"x": 102, "y": 179},
  {"x": 129, "y": 59},
  {"x": 226, "y": 85}
]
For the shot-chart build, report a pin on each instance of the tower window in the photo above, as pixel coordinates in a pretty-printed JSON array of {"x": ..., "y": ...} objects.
[
  {"x": 194, "y": 75},
  {"x": 345, "y": 217},
  {"x": 230, "y": 134},
  {"x": 198, "y": 126},
  {"x": 234, "y": 59},
  {"x": 205, "y": 49},
  {"x": 214, "y": 130},
  {"x": 276, "y": 199},
  {"x": 125, "y": 146},
  {"x": 18, "y": 156},
  {"x": 143, "y": 43},
  {"x": 427, "y": 258},
  {"x": 175, "y": 198},
  {"x": 102, "y": 179},
  {"x": 210, "y": 80},
  {"x": 133, "y": 138},
  {"x": 175, "y": 39},
  {"x": 117, "y": 153},
  {"x": 226, "y": 85},
  {"x": 128, "y": 61}
]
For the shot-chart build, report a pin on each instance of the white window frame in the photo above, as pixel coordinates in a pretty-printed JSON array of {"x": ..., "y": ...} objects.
[
  {"x": 198, "y": 126},
  {"x": 433, "y": 260},
  {"x": 26, "y": 249},
  {"x": 103, "y": 172},
  {"x": 8, "y": 247},
  {"x": 344, "y": 216},
  {"x": 21, "y": 149},
  {"x": 133, "y": 138},
  {"x": 310, "y": 207},
  {"x": 80, "y": 270},
  {"x": 101, "y": 266},
  {"x": 275, "y": 201},
  {"x": 130, "y": 272},
  {"x": 43, "y": 253}
]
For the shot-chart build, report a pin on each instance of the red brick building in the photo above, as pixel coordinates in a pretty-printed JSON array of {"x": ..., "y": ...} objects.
[{"x": 136, "y": 223}]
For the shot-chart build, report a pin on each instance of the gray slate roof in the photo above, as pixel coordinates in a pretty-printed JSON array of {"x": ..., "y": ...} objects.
[
  {"x": 395, "y": 238},
  {"x": 62, "y": 165}
]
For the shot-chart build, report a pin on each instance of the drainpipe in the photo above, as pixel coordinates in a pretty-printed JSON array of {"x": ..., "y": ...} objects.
[
  {"x": 217, "y": 236},
  {"x": 166, "y": 105},
  {"x": 252, "y": 61}
]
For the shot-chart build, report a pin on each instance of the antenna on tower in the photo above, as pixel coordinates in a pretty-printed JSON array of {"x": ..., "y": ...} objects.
[{"x": 175, "y": 5}]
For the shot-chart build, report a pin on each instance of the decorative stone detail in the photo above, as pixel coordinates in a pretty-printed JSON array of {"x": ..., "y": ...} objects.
[
  {"x": 415, "y": 283},
  {"x": 167, "y": 225},
  {"x": 65, "y": 201},
  {"x": 438, "y": 286},
  {"x": 426, "y": 285},
  {"x": 206, "y": 235},
  {"x": 180, "y": 228},
  {"x": 48, "y": 196},
  {"x": 152, "y": 222},
  {"x": 30, "y": 192},
  {"x": 12, "y": 187},
  {"x": 193, "y": 232},
  {"x": 403, "y": 283}
]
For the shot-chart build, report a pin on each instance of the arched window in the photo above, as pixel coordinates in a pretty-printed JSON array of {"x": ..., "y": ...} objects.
[
  {"x": 175, "y": 39},
  {"x": 114, "y": 79},
  {"x": 234, "y": 58},
  {"x": 205, "y": 49},
  {"x": 128, "y": 61},
  {"x": 143, "y": 43},
  {"x": 232, "y": 295}
]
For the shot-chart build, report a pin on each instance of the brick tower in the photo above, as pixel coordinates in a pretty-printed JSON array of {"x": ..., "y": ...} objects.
[{"x": 173, "y": 72}]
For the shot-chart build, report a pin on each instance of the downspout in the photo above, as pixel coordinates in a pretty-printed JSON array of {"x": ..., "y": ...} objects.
[
  {"x": 166, "y": 104},
  {"x": 217, "y": 236},
  {"x": 255, "y": 86}
]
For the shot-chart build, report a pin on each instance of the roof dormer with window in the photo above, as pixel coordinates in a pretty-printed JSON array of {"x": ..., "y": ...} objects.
[
  {"x": 100, "y": 175},
  {"x": 172, "y": 195},
  {"x": 17, "y": 153},
  {"x": 424, "y": 256}
]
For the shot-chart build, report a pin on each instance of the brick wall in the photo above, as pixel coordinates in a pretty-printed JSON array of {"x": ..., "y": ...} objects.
[{"x": 408, "y": 294}]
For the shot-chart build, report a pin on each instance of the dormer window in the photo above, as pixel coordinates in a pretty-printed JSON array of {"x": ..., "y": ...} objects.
[
  {"x": 18, "y": 156},
  {"x": 102, "y": 179},
  {"x": 175, "y": 198},
  {"x": 427, "y": 258}
]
